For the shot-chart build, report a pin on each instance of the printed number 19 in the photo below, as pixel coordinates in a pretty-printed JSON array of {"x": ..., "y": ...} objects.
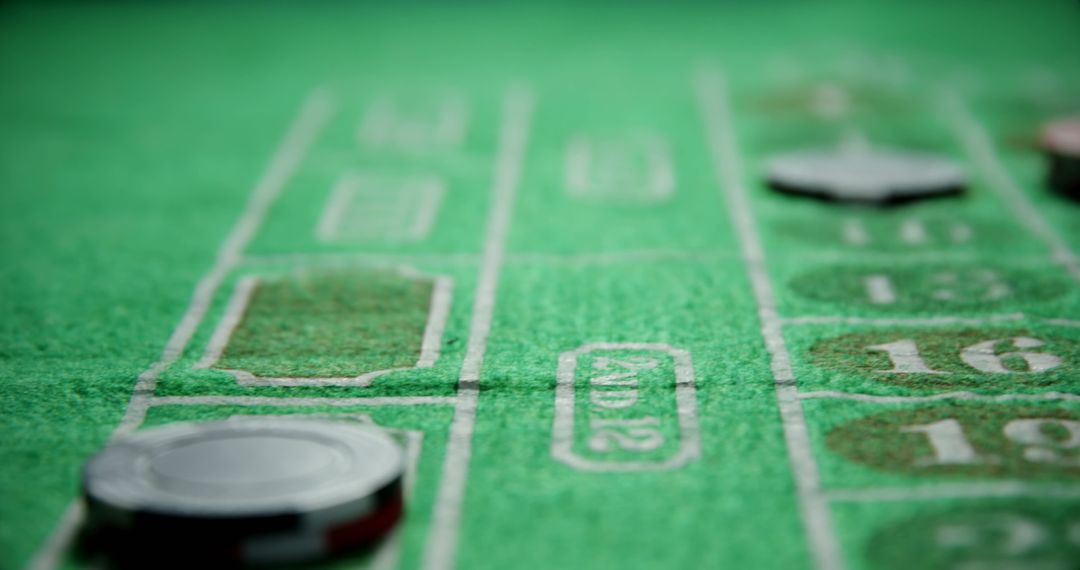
[{"x": 1045, "y": 440}]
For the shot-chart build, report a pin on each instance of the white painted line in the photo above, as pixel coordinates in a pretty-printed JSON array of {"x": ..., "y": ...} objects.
[
  {"x": 980, "y": 146},
  {"x": 603, "y": 258},
  {"x": 576, "y": 165},
  {"x": 925, "y": 321},
  {"x": 317, "y": 109},
  {"x": 412, "y": 451},
  {"x": 50, "y": 554},
  {"x": 432, "y": 194},
  {"x": 441, "y": 294},
  {"x": 330, "y": 221},
  {"x": 1063, "y": 322},
  {"x": 300, "y": 402},
  {"x": 970, "y": 490},
  {"x": 234, "y": 311},
  {"x": 1042, "y": 396},
  {"x": 888, "y": 258},
  {"x": 378, "y": 121},
  {"x": 594, "y": 258},
  {"x": 442, "y": 540},
  {"x": 816, "y": 517},
  {"x": 373, "y": 259},
  {"x": 913, "y": 322}
]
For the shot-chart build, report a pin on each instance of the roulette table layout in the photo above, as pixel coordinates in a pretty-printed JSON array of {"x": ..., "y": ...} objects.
[{"x": 772, "y": 285}]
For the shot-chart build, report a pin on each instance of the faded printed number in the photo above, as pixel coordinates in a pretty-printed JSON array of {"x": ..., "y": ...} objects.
[
  {"x": 1024, "y": 535},
  {"x": 966, "y": 438},
  {"x": 628, "y": 434},
  {"x": 629, "y": 366},
  {"x": 1005, "y": 541},
  {"x": 982, "y": 356},
  {"x": 911, "y": 232},
  {"x": 928, "y": 288},
  {"x": 1053, "y": 441},
  {"x": 980, "y": 285},
  {"x": 638, "y": 434}
]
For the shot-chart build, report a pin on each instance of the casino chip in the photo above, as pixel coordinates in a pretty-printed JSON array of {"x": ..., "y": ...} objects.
[
  {"x": 1061, "y": 142},
  {"x": 242, "y": 492},
  {"x": 867, "y": 175}
]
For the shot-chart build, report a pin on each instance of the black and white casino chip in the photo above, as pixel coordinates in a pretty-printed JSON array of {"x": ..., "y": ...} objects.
[
  {"x": 1061, "y": 143},
  {"x": 244, "y": 491},
  {"x": 865, "y": 175}
]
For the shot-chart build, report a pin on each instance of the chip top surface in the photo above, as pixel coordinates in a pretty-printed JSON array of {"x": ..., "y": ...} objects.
[
  {"x": 248, "y": 466},
  {"x": 865, "y": 175}
]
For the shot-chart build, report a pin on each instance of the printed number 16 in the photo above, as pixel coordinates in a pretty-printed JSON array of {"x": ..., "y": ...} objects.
[{"x": 981, "y": 356}]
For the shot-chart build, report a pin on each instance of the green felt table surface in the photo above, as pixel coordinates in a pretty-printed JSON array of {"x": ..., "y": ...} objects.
[{"x": 578, "y": 188}]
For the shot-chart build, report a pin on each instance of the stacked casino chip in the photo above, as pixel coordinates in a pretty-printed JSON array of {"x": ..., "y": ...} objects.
[
  {"x": 242, "y": 492},
  {"x": 1061, "y": 143}
]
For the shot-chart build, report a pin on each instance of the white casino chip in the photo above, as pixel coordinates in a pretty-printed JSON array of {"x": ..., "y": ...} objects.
[
  {"x": 873, "y": 175},
  {"x": 317, "y": 473}
]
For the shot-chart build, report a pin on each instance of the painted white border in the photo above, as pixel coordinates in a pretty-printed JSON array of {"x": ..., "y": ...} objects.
[
  {"x": 288, "y": 401},
  {"x": 951, "y": 491},
  {"x": 514, "y": 123},
  {"x": 715, "y": 108},
  {"x": 438, "y": 312},
  {"x": 964, "y": 395},
  {"x": 928, "y": 321},
  {"x": 904, "y": 321},
  {"x": 562, "y": 433}
]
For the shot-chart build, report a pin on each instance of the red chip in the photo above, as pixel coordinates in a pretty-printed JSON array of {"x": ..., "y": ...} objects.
[
  {"x": 367, "y": 529},
  {"x": 1062, "y": 137}
]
